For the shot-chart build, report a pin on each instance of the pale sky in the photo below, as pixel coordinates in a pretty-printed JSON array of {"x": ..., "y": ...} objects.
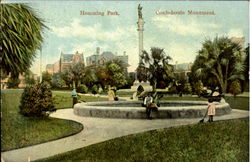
[{"x": 180, "y": 35}]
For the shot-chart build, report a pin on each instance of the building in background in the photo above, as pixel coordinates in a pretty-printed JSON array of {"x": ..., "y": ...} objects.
[
  {"x": 65, "y": 61},
  {"x": 21, "y": 78},
  {"x": 99, "y": 59},
  {"x": 181, "y": 70}
]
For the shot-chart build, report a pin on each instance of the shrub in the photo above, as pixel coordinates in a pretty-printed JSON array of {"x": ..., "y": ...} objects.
[
  {"x": 187, "y": 88},
  {"x": 94, "y": 89},
  {"x": 36, "y": 100},
  {"x": 235, "y": 88},
  {"x": 82, "y": 89},
  {"x": 173, "y": 90},
  {"x": 198, "y": 88}
]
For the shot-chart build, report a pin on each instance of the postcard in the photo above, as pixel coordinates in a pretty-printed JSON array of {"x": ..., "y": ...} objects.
[{"x": 124, "y": 80}]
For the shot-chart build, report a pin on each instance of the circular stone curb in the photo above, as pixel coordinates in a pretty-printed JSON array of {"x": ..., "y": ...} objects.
[{"x": 134, "y": 110}]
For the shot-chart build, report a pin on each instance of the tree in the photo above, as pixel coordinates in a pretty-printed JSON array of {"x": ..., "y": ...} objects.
[
  {"x": 235, "y": 87},
  {"x": 47, "y": 77},
  {"x": 198, "y": 87},
  {"x": 90, "y": 77},
  {"x": 67, "y": 77},
  {"x": 57, "y": 81},
  {"x": 112, "y": 73},
  {"x": 94, "y": 89},
  {"x": 247, "y": 70},
  {"x": 130, "y": 78},
  {"x": 141, "y": 72},
  {"x": 29, "y": 78},
  {"x": 21, "y": 32},
  {"x": 219, "y": 60},
  {"x": 187, "y": 88},
  {"x": 156, "y": 67},
  {"x": 78, "y": 73},
  {"x": 246, "y": 62}
]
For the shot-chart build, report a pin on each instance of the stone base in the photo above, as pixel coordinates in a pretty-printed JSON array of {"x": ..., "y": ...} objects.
[
  {"x": 145, "y": 85},
  {"x": 134, "y": 109}
]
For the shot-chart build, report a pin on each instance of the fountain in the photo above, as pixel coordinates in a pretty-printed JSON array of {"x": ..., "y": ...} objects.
[{"x": 134, "y": 109}]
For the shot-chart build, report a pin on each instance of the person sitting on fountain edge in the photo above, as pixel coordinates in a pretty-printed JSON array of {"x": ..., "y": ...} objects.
[{"x": 148, "y": 102}]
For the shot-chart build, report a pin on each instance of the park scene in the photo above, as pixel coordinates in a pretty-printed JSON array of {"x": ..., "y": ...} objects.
[{"x": 151, "y": 81}]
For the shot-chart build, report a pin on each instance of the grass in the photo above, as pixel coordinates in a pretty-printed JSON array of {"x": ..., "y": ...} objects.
[
  {"x": 238, "y": 102},
  {"x": 218, "y": 141},
  {"x": 18, "y": 131},
  {"x": 64, "y": 100},
  {"x": 124, "y": 93}
]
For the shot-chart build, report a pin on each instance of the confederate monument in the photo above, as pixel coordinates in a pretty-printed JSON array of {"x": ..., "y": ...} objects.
[
  {"x": 140, "y": 24},
  {"x": 140, "y": 29}
]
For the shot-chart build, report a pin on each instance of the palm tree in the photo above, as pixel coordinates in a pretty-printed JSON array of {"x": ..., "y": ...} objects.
[
  {"x": 156, "y": 66},
  {"x": 220, "y": 60},
  {"x": 78, "y": 73},
  {"x": 21, "y": 37}
]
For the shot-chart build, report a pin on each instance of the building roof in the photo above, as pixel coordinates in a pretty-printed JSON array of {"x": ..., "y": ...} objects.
[
  {"x": 67, "y": 57},
  {"x": 108, "y": 55},
  {"x": 183, "y": 67},
  {"x": 93, "y": 57}
]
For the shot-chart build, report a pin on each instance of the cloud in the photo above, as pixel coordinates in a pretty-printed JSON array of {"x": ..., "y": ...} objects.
[
  {"x": 88, "y": 48},
  {"x": 235, "y": 33},
  {"x": 94, "y": 32},
  {"x": 74, "y": 29},
  {"x": 184, "y": 26},
  {"x": 182, "y": 52}
]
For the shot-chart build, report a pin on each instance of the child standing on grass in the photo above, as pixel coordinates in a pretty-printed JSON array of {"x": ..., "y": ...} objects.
[{"x": 211, "y": 110}]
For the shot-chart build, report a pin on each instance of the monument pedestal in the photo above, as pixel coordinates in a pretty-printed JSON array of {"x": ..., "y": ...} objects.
[{"x": 145, "y": 85}]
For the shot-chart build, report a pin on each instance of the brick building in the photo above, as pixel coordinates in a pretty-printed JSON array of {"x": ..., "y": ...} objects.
[
  {"x": 65, "y": 61},
  {"x": 98, "y": 59}
]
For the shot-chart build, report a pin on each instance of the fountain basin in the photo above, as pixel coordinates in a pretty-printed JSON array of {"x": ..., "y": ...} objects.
[{"x": 134, "y": 109}]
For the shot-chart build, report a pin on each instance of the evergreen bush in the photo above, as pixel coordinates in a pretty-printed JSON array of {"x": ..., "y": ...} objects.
[
  {"x": 82, "y": 89},
  {"x": 235, "y": 88},
  {"x": 37, "y": 100},
  {"x": 94, "y": 89}
]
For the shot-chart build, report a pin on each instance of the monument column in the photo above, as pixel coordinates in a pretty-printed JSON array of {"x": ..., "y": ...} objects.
[{"x": 140, "y": 30}]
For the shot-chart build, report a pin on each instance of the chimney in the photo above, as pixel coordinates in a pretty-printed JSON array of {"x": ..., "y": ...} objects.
[{"x": 124, "y": 53}]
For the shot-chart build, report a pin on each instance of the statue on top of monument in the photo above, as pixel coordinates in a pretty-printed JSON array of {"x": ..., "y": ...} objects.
[{"x": 139, "y": 11}]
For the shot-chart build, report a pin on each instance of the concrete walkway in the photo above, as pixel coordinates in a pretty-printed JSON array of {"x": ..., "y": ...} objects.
[{"x": 97, "y": 130}]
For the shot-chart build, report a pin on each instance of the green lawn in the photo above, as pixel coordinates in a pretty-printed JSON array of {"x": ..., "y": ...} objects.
[
  {"x": 19, "y": 131},
  {"x": 64, "y": 100},
  {"x": 218, "y": 141},
  {"x": 238, "y": 102},
  {"x": 124, "y": 93}
]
